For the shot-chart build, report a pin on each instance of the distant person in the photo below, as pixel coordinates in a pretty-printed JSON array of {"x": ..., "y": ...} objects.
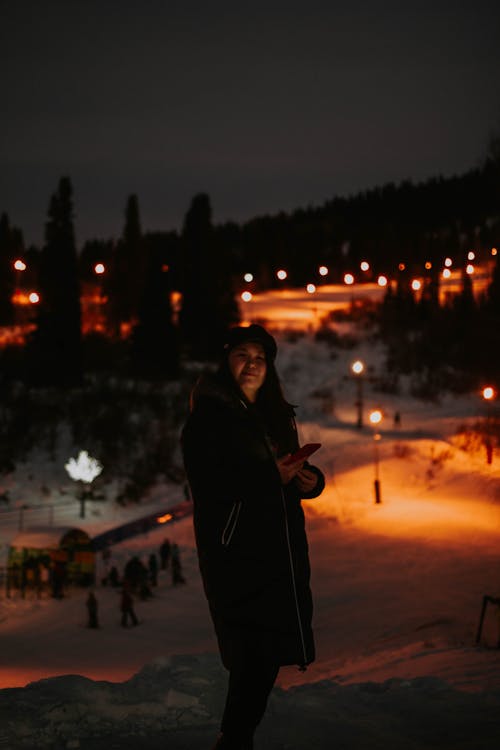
[
  {"x": 153, "y": 569},
  {"x": 127, "y": 607},
  {"x": 113, "y": 576},
  {"x": 249, "y": 525},
  {"x": 177, "y": 576},
  {"x": 165, "y": 550},
  {"x": 92, "y": 610}
]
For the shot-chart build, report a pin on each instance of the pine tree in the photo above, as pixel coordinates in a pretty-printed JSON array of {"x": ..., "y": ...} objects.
[
  {"x": 7, "y": 274},
  {"x": 209, "y": 307},
  {"x": 155, "y": 350},
  {"x": 55, "y": 350},
  {"x": 125, "y": 282}
]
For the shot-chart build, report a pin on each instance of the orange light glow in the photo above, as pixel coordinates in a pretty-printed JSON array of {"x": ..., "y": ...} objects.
[
  {"x": 246, "y": 296},
  {"x": 401, "y": 266},
  {"x": 310, "y": 288},
  {"x": 348, "y": 279},
  {"x": 494, "y": 251},
  {"x": 446, "y": 273},
  {"x": 428, "y": 265},
  {"x": 281, "y": 274},
  {"x": 382, "y": 280},
  {"x": 375, "y": 416},
  {"x": 469, "y": 269},
  {"x": 416, "y": 285},
  {"x": 164, "y": 519},
  {"x": 357, "y": 367},
  {"x": 19, "y": 265},
  {"x": 99, "y": 268},
  {"x": 488, "y": 393}
]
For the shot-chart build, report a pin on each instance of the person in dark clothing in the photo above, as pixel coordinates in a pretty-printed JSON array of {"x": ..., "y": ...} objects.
[
  {"x": 249, "y": 525},
  {"x": 165, "y": 549},
  {"x": 153, "y": 569},
  {"x": 92, "y": 608},
  {"x": 177, "y": 575},
  {"x": 127, "y": 607}
]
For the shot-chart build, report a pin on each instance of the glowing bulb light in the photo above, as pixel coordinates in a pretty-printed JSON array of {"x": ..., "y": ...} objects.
[
  {"x": 84, "y": 468},
  {"x": 246, "y": 296},
  {"x": 348, "y": 279}
]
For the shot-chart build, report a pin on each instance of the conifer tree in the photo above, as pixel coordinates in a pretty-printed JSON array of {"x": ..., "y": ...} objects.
[
  {"x": 56, "y": 346},
  {"x": 126, "y": 278},
  {"x": 7, "y": 274},
  {"x": 209, "y": 307},
  {"x": 155, "y": 350}
]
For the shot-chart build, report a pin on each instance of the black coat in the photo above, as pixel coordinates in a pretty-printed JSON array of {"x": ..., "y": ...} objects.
[{"x": 250, "y": 531}]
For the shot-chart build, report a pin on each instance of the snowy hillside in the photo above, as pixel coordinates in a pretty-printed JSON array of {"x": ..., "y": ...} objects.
[{"x": 397, "y": 586}]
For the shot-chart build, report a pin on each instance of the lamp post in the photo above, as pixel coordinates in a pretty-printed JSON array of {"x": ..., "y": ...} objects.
[
  {"x": 83, "y": 469},
  {"x": 375, "y": 419},
  {"x": 358, "y": 368},
  {"x": 488, "y": 394}
]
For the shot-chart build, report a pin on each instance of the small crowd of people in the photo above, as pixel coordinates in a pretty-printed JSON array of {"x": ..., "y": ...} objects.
[{"x": 138, "y": 579}]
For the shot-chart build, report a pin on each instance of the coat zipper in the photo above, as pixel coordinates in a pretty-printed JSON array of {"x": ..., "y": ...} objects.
[
  {"x": 290, "y": 557},
  {"x": 230, "y": 527},
  {"x": 294, "y": 583}
]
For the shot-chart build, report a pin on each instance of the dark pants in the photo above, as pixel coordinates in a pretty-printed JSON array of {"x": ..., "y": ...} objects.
[{"x": 250, "y": 683}]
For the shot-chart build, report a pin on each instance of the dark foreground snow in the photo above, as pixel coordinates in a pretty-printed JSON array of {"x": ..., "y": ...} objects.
[{"x": 174, "y": 704}]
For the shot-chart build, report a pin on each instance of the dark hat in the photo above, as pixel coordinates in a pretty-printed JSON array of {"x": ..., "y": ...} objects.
[{"x": 254, "y": 333}]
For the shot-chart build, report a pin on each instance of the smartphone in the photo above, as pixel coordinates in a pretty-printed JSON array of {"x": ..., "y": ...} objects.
[{"x": 303, "y": 453}]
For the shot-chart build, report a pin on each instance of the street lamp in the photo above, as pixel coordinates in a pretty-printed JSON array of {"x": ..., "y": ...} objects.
[
  {"x": 83, "y": 469},
  {"x": 358, "y": 368},
  {"x": 375, "y": 419},
  {"x": 488, "y": 394}
]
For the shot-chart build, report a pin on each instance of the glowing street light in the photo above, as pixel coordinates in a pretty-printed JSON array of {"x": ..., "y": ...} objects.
[
  {"x": 364, "y": 265},
  {"x": 382, "y": 280},
  {"x": 471, "y": 255},
  {"x": 246, "y": 296},
  {"x": 281, "y": 274},
  {"x": 375, "y": 419},
  {"x": 416, "y": 285},
  {"x": 448, "y": 262},
  {"x": 357, "y": 369},
  {"x": 99, "y": 268},
  {"x": 323, "y": 271},
  {"x": 446, "y": 273},
  {"x": 469, "y": 268},
  {"x": 83, "y": 469},
  {"x": 494, "y": 251},
  {"x": 348, "y": 279},
  {"x": 248, "y": 277},
  {"x": 34, "y": 298},
  {"x": 488, "y": 394},
  {"x": 310, "y": 288},
  {"x": 19, "y": 265}
]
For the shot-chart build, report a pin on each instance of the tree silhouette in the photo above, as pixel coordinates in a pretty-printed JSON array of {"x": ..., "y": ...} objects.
[
  {"x": 7, "y": 274},
  {"x": 125, "y": 282},
  {"x": 56, "y": 346},
  {"x": 154, "y": 346},
  {"x": 208, "y": 303}
]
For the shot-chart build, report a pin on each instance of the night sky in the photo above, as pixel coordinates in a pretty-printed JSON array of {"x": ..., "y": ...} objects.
[{"x": 268, "y": 107}]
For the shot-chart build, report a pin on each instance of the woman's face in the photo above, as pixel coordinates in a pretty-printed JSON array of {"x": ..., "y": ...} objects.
[{"x": 247, "y": 363}]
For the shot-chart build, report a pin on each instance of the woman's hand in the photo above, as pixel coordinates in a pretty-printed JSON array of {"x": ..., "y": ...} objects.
[
  {"x": 288, "y": 470},
  {"x": 306, "y": 480}
]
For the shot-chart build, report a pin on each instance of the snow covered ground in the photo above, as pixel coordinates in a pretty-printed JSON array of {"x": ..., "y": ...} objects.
[{"x": 397, "y": 587}]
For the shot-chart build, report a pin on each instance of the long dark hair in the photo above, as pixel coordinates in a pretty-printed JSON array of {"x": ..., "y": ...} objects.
[{"x": 273, "y": 410}]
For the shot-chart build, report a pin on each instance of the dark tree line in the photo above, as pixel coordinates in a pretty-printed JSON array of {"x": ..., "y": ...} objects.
[{"x": 204, "y": 263}]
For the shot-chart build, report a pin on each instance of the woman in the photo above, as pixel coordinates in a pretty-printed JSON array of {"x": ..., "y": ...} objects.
[{"x": 249, "y": 525}]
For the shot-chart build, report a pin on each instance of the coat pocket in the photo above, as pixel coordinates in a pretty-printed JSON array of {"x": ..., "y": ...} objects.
[{"x": 231, "y": 523}]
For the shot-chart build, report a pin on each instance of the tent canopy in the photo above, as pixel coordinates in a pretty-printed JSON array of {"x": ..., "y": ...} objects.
[{"x": 49, "y": 537}]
